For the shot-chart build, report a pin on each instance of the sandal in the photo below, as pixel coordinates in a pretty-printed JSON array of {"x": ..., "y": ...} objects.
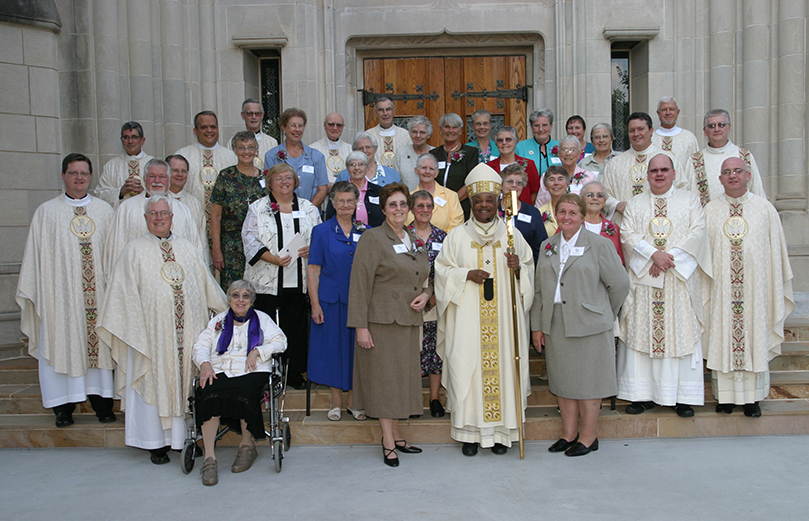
[
  {"x": 335, "y": 414},
  {"x": 209, "y": 474},
  {"x": 358, "y": 414}
]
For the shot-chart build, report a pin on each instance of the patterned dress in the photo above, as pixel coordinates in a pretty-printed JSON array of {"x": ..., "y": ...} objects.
[
  {"x": 234, "y": 191},
  {"x": 430, "y": 361}
]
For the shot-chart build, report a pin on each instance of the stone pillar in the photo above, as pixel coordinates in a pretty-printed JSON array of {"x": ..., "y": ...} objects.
[
  {"x": 172, "y": 66},
  {"x": 791, "y": 106},
  {"x": 755, "y": 94},
  {"x": 722, "y": 85},
  {"x": 207, "y": 48},
  {"x": 141, "y": 73},
  {"x": 107, "y": 92}
]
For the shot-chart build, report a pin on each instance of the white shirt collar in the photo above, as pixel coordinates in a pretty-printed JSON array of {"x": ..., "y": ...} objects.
[
  {"x": 648, "y": 150},
  {"x": 572, "y": 242},
  {"x": 387, "y": 132},
  {"x": 133, "y": 158},
  {"x": 332, "y": 145},
  {"x": 720, "y": 150},
  {"x": 77, "y": 202},
  {"x": 673, "y": 131},
  {"x": 203, "y": 147}
]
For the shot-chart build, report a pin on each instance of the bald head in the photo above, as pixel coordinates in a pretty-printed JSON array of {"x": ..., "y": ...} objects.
[
  {"x": 734, "y": 176},
  {"x": 334, "y": 126},
  {"x": 660, "y": 173}
]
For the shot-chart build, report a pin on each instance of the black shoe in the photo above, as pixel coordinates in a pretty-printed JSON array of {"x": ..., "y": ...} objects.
[
  {"x": 726, "y": 408},
  {"x": 562, "y": 444},
  {"x": 639, "y": 407},
  {"x": 469, "y": 449},
  {"x": 401, "y": 446},
  {"x": 106, "y": 417},
  {"x": 297, "y": 382},
  {"x": 752, "y": 410},
  {"x": 159, "y": 456},
  {"x": 499, "y": 449},
  {"x": 580, "y": 450},
  {"x": 683, "y": 411},
  {"x": 436, "y": 409},
  {"x": 64, "y": 419},
  {"x": 390, "y": 462}
]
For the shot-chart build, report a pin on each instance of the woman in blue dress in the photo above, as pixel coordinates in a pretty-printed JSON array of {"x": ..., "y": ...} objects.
[{"x": 331, "y": 343}]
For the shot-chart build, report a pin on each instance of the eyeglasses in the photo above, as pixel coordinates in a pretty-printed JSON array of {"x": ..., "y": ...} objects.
[
  {"x": 600, "y": 137},
  {"x": 345, "y": 202},
  {"x": 504, "y": 140},
  {"x": 424, "y": 206},
  {"x": 241, "y": 296},
  {"x": 79, "y": 174},
  {"x": 253, "y": 114},
  {"x": 245, "y": 149},
  {"x": 735, "y": 171},
  {"x": 131, "y": 138},
  {"x": 154, "y": 214},
  {"x": 384, "y": 109},
  {"x": 394, "y": 205},
  {"x": 286, "y": 178},
  {"x": 714, "y": 125},
  {"x": 354, "y": 164},
  {"x": 594, "y": 195},
  {"x": 295, "y": 126},
  {"x": 567, "y": 150},
  {"x": 333, "y": 124}
]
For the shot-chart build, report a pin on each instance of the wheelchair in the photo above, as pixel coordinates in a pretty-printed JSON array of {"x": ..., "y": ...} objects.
[{"x": 276, "y": 428}]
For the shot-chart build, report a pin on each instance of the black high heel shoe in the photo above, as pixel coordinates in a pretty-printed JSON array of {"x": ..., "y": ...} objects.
[
  {"x": 402, "y": 446},
  {"x": 390, "y": 462}
]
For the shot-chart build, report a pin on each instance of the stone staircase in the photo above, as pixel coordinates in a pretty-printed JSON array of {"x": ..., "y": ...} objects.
[{"x": 25, "y": 423}]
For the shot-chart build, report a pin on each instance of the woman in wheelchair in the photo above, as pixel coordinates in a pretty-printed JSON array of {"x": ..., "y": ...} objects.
[{"x": 234, "y": 356}]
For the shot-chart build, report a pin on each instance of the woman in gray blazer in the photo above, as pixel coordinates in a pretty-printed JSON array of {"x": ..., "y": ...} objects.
[
  {"x": 580, "y": 286},
  {"x": 386, "y": 297}
]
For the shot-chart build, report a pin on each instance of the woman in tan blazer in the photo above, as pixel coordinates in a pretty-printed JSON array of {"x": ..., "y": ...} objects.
[
  {"x": 580, "y": 286},
  {"x": 386, "y": 297}
]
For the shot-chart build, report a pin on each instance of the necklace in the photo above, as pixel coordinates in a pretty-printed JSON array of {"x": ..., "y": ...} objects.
[
  {"x": 485, "y": 230},
  {"x": 449, "y": 151}
]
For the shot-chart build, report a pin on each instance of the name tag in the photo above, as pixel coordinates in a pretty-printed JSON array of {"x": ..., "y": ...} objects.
[
  {"x": 556, "y": 161},
  {"x": 263, "y": 183},
  {"x": 309, "y": 169},
  {"x": 374, "y": 200},
  {"x": 442, "y": 165},
  {"x": 439, "y": 201},
  {"x": 400, "y": 248},
  {"x": 355, "y": 237},
  {"x": 524, "y": 217},
  {"x": 437, "y": 246},
  {"x": 578, "y": 251},
  {"x": 298, "y": 214}
]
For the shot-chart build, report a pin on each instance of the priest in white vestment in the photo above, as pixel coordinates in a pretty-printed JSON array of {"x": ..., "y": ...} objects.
[
  {"x": 60, "y": 288},
  {"x": 128, "y": 223},
  {"x": 475, "y": 328},
  {"x": 178, "y": 177},
  {"x": 253, "y": 116},
  {"x": 671, "y": 138},
  {"x": 751, "y": 292},
  {"x": 334, "y": 149},
  {"x": 666, "y": 249},
  {"x": 157, "y": 303},
  {"x": 389, "y": 136},
  {"x": 122, "y": 176},
  {"x": 206, "y": 158},
  {"x": 703, "y": 167}
]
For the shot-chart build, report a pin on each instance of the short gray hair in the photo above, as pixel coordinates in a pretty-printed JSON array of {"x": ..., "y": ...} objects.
[
  {"x": 515, "y": 169},
  {"x": 357, "y": 155},
  {"x": 153, "y": 200},
  {"x": 544, "y": 112},
  {"x": 605, "y": 126},
  {"x": 424, "y": 157},
  {"x": 715, "y": 112},
  {"x": 666, "y": 99},
  {"x": 420, "y": 120},
  {"x": 570, "y": 138},
  {"x": 240, "y": 284},
  {"x": 450, "y": 119},
  {"x": 588, "y": 185},
  {"x": 344, "y": 187},
  {"x": 364, "y": 135},
  {"x": 156, "y": 161},
  {"x": 506, "y": 128},
  {"x": 481, "y": 112},
  {"x": 251, "y": 100},
  {"x": 242, "y": 135},
  {"x": 421, "y": 194}
]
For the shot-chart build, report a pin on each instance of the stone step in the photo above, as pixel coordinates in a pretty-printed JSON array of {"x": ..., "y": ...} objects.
[{"x": 19, "y": 371}]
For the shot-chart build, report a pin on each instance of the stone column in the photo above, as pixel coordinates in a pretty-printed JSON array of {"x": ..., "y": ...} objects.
[
  {"x": 791, "y": 106},
  {"x": 107, "y": 92},
  {"x": 207, "y": 47},
  {"x": 172, "y": 66},
  {"x": 141, "y": 73},
  {"x": 722, "y": 85},
  {"x": 755, "y": 115}
]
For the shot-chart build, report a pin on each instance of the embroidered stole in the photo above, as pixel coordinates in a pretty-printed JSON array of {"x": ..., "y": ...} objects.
[
  {"x": 701, "y": 177},
  {"x": 207, "y": 176},
  {"x": 660, "y": 228},
  {"x": 638, "y": 174},
  {"x": 83, "y": 227},
  {"x": 667, "y": 143},
  {"x": 174, "y": 275},
  {"x": 489, "y": 341},
  {"x": 735, "y": 229}
]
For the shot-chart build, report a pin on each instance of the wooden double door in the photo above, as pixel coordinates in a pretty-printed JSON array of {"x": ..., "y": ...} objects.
[{"x": 433, "y": 87}]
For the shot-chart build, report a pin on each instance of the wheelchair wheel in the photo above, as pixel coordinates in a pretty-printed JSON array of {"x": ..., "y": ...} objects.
[
  {"x": 187, "y": 457},
  {"x": 286, "y": 436},
  {"x": 278, "y": 454}
]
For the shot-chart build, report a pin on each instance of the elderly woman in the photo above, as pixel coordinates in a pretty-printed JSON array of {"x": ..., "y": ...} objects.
[
  {"x": 236, "y": 187},
  {"x": 276, "y": 235},
  {"x": 483, "y": 141},
  {"x": 367, "y": 207},
  {"x": 539, "y": 148},
  {"x": 432, "y": 237},
  {"x": 386, "y": 298},
  {"x": 455, "y": 160},
  {"x": 575, "y": 126},
  {"x": 602, "y": 138},
  {"x": 331, "y": 343},
  {"x": 580, "y": 286},
  {"x": 594, "y": 198},
  {"x": 506, "y": 141},
  {"x": 556, "y": 180},
  {"x": 528, "y": 220},
  {"x": 569, "y": 154},
  {"x": 308, "y": 163},
  {"x": 376, "y": 172},
  {"x": 447, "y": 212},
  {"x": 234, "y": 355},
  {"x": 420, "y": 130}
]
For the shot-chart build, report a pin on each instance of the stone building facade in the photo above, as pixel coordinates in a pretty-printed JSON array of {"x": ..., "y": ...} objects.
[{"x": 72, "y": 71}]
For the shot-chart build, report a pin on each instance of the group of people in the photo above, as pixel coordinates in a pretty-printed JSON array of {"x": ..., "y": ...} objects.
[{"x": 445, "y": 263}]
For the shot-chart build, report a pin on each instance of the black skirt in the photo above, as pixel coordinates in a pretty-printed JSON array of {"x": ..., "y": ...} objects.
[{"x": 233, "y": 399}]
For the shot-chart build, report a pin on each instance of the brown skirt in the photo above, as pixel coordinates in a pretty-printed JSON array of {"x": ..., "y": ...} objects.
[{"x": 387, "y": 377}]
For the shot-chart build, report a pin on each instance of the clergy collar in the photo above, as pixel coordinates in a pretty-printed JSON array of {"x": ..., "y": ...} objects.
[
  {"x": 668, "y": 193},
  {"x": 387, "y": 132},
  {"x": 673, "y": 131},
  {"x": 77, "y": 202},
  {"x": 259, "y": 136},
  {"x": 176, "y": 195},
  {"x": 203, "y": 147},
  {"x": 721, "y": 150},
  {"x": 132, "y": 158},
  {"x": 737, "y": 200},
  {"x": 648, "y": 150},
  {"x": 156, "y": 238},
  {"x": 332, "y": 145}
]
